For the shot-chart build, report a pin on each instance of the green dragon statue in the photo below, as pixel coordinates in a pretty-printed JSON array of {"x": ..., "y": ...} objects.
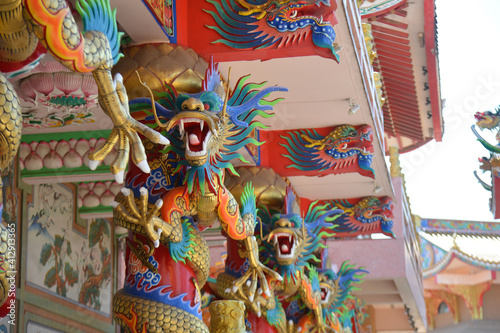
[{"x": 289, "y": 244}]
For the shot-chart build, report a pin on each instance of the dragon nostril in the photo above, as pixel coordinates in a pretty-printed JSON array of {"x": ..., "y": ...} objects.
[{"x": 192, "y": 104}]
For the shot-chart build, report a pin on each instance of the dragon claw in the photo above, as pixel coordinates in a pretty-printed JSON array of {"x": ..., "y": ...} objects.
[
  {"x": 93, "y": 164},
  {"x": 119, "y": 177},
  {"x": 164, "y": 141},
  {"x": 143, "y": 191},
  {"x": 144, "y": 166},
  {"x": 125, "y": 191},
  {"x": 118, "y": 78}
]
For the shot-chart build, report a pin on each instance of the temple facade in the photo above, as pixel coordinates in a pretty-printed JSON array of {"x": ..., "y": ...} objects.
[{"x": 200, "y": 151}]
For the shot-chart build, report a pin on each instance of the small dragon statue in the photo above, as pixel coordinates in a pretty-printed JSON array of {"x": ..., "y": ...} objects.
[
  {"x": 488, "y": 120},
  {"x": 206, "y": 130},
  {"x": 368, "y": 215},
  {"x": 289, "y": 244},
  {"x": 336, "y": 288},
  {"x": 260, "y": 24},
  {"x": 344, "y": 146}
]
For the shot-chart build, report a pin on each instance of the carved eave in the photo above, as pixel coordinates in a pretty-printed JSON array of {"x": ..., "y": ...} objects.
[
  {"x": 444, "y": 252},
  {"x": 405, "y": 41}
]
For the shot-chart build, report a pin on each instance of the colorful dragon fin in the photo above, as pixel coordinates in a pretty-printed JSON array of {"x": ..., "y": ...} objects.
[{"x": 291, "y": 206}]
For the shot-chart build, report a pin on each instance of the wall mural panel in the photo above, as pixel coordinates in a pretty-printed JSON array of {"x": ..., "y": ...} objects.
[
  {"x": 11, "y": 197},
  {"x": 64, "y": 258}
]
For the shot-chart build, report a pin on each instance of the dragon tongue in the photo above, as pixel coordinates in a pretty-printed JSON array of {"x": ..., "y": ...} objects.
[{"x": 193, "y": 139}]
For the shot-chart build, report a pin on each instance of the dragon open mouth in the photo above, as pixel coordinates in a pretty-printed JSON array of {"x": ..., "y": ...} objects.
[
  {"x": 197, "y": 128},
  {"x": 312, "y": 12},
  {"x": 325, "y": 294},
  {"x": 197, "y": 135},
  {"x": 285, "y": 245},
  {"x": 479, "y": 116}
]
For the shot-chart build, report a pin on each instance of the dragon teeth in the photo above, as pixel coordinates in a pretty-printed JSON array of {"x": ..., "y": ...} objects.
[
  {"x": 201, "y": 125},
  {"x": 181, "y": 127}
]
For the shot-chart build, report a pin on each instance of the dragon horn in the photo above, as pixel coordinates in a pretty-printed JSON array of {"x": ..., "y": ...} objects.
[
  {"x": 227, "y": 96},
  {"x": 153, "y": 106},
  {"x": 304, "y": 233},
  {"x": 251, "y": 9}
]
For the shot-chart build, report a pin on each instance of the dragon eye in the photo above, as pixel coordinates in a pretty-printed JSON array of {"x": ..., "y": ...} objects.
[
  {"x": 293, "y": 14},
  {"x": 206, "y": 106}
]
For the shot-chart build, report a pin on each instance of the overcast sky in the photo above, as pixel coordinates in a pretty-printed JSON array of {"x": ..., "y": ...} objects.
[{"x": 439, "y": 176}]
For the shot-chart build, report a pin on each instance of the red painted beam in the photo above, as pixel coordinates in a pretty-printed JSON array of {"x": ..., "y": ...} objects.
[
  {"x": 386, "y": 54},
  {"x": 397, "y": 46},
  {"x": 403, "y": 96},
  {"x": 405, "y": 79},
  {"x": 394, "y": 85},
  {"x": 393, "y": 23},
  {"x": 402, "y": 13},
  {"x": 402, "y": 72},
  {"x": 393, "y": 50},
  {"x": 409, "y": 131},
  {"x": 391, "y": 38},
  {"x": 376, "y": 27},
  {"x": 403, "y": 104},
  {"x": 402, "y": 115},
  {"x": 394, "y": 64},
  {"x": 399, "y": 85}
]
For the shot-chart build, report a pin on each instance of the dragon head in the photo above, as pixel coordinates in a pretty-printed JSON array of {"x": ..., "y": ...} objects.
[
  {"x": 262, "y": 23},
  {"x": 212, "y": 125},
  {"x": 488, "y": 119},
  {"x": 292, "y": 240},
  {"x": 376, "y": 210},
  {"x": 336, "y": 288},
  {"x": 347, "y": 140}
]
